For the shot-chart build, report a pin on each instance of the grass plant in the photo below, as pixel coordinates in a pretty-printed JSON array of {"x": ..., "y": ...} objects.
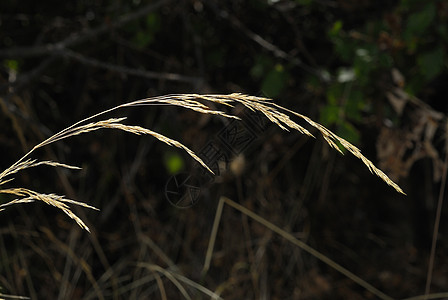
[{"x": 199, "y": 103}]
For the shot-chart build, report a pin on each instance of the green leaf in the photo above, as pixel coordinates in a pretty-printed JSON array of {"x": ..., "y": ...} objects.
[
  {"x": 334, "y": 93},
  {"x": 274, "y": 82},
  {"x": 419, "y": 21},
  {"x": 261, "y": 65},
  {"x": 348, "y": 132},
  {"x": 431, "y": 63},
  {"x": 146, "y": 35},
  {"x": 11, "y": 64},
  {"x": 354, "y": 105},
  {"x": 443, "y": 31},
  {"x": 344, "y": 48},
  {"x": 385, "y": 60},
  {"x": 329, "y": 115},
  {"x": 143, "y": 39},
  {"x": 336, "y": 28},
  {"x": 153, "y": 22},
  {"x": 406, "y": 5},
  {"x": 364, "y": 63}
]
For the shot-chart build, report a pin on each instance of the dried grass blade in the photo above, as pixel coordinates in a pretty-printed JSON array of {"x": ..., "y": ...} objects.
[
  {"x": 50, "y": 199},
  {"x": 31, "y": 196},
  {"x": 141, "y": 130},
  {"x": 262, "y": 105},
  {"x": 331, "y": 138},
  {"x": 185, "y": 101},
  {"x": 29, "y": 163},
  {"x": 190, "y": 101},
  {"x": 168, "y": 275}
]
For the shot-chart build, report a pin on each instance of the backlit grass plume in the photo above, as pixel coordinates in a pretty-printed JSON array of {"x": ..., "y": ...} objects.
[{"x": 275, "y": 113}]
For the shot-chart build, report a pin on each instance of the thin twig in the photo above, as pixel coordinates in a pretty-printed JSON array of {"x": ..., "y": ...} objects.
[
  {"x": 129, "y": 71},
  {"x": 80, "y": 37}
]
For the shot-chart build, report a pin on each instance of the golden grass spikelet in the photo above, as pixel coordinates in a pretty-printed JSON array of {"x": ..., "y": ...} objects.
[
  {"x": 274, "y": 112},
  {"x": 57, "y": 201},
  {"x": 21, "y": 165},
  {"x": 140, "y": 130},
  {"x": 331, "y": 138}
]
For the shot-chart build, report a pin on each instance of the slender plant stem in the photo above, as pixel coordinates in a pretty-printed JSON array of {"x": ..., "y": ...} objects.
[
  {"x": 436, "y": 228},
  {"x": 288, "y": 237}
]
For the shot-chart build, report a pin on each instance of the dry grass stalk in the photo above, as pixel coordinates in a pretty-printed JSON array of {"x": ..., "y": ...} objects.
[
  {"x": 274, "y": 112},
  {"x": 287, "y": 236},
  {"x": 176, "y": 279},
  {"x": 57, "y": 201}
]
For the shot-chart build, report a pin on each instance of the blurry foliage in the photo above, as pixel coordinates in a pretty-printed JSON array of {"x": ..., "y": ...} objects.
[
  {"x": 272, "y": 76},
  {"x": 412, "y": 38},
  {"x": 12, "y": 65},
  {"x": 274, "y": 81},
  {"x": 144, "y": 32}
]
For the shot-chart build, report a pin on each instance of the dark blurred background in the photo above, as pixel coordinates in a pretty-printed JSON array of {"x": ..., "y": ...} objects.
[{"x": 374, "y": 72}]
